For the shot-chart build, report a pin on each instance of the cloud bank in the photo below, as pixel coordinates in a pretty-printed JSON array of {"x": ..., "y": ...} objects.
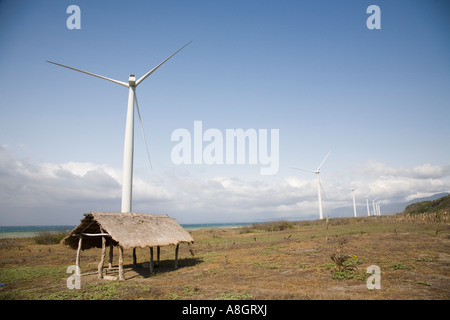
[{"x": 48, "y": 193}]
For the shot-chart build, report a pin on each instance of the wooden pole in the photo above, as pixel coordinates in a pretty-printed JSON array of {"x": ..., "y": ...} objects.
[
  {"x": 111, "y": 246},
  {"x": 158, "y": 251},
  {"x": 102, "y": 258},
  {"x": 121, "y": 277},
  {"x": 134, "y": 257},
  {"x": 176, "y": 255},
  {"x": 77, "y": 261},
  {"x": 151, "y": 260}
]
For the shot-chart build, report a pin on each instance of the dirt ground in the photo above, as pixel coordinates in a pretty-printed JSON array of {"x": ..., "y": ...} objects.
[{"x": 250, "y": 263}]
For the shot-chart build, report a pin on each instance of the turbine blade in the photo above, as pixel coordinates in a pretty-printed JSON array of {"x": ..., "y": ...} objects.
[
  {"x": 159, "y": 65},
  {"x": 91, "y": 74},
  {"x": 324, "y": 160},
  {"x": 142, "y": 128},
  {"x": 303, "y": 169}
]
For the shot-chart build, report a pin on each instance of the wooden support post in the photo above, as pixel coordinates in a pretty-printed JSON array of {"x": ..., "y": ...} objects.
[
  {"x": 102, "y": 259},
  {"x": 176, "y": 255},
  {"x": 134, "y": 257},
  {"x": 111, "y": 246},
  {"x": 151, "y": 260},
  {"x": 121, "y": 277},
  {"x": 158, "y": 252},
  {"x": 77, "y": 261}
]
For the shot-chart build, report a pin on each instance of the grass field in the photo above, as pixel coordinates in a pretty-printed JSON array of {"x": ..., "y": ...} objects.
[{"x": 281, "y": 260}]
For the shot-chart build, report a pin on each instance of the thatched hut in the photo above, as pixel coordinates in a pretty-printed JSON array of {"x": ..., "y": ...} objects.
[{"x": 126, "y": 231}]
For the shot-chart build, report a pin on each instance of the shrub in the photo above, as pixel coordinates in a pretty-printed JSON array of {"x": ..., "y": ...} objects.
[
  {"x": 48, "y": 237},
  {"x": 274, "y": 226}
]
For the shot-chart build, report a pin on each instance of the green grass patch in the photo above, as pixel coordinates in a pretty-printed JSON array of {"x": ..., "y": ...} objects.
[
  {"x": 424, "y": 283},
  {"x": 400, "y": 266},
  {"x": 234, "y": 296},
  {"x": 348, "y": 274},
  {"x": 27, "y": 273}
]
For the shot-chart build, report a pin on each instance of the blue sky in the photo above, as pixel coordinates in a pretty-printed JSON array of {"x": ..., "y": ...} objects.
[{"x": 378, "y": 99}]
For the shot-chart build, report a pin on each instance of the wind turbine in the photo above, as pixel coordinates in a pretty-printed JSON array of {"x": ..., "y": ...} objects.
[
  {"x": 319, "y": 185},
  {"x": 127, "y": 184},
  {"x": 373, "y": 207},
  {"x": 378, "y": 208},
  {"x": 367, "y": 202},
  {"x": 354, "y": 203}
]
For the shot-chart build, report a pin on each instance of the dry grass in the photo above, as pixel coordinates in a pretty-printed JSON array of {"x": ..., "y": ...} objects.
[{"x": 252, "y": 263}]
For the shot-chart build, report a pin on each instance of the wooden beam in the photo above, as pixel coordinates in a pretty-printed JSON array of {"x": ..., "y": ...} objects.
[
  {"x": 88, "y": 273},
  {"x": 91, "y": 234},
  {"x": 176, "y": 255},
  {"x": 121, "y": 276},
  {"x": 151, "y": 260},
  {"x": 102, "y": 259},
  {"x": 77, "y": 261},
  {"x": 158, "y": 252},
  {"x": 111, "y": 246}
]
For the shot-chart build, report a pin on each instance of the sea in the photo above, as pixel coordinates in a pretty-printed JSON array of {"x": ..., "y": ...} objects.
[{"x": 32, "y": 231}]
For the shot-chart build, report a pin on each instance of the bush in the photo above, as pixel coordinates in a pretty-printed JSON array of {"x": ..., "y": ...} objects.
[
  {"x": 274, "y": 226},
  {"x": 348, "y": 274},
  {"x": 48, "y": 237}
]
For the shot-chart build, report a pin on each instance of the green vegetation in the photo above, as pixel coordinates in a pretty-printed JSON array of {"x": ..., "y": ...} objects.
[
  {"x": 348, "y": 274},
  {"x": 25, "y": 273},
  {"x": 441, "y": 205},
  {"x": 234, "y": 296},
  {"x": 47, "y": 237},
  {"x": 271, "y": 226},
  {"x": 400, "y": 266}
]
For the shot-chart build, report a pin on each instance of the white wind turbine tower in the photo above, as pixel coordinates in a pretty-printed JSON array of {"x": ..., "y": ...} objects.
[
  {"x": 354, "y": 203},
  {"x": 374, "y": 210},
  {"x": 129, "y": 129},
  {"x": 378, "y": 208},
  {"x": 367, "y": 202},
  {"x": 319, "y": 185}
]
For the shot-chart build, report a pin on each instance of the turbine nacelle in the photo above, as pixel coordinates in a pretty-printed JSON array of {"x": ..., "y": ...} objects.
[{"x": 132, "y": 80}]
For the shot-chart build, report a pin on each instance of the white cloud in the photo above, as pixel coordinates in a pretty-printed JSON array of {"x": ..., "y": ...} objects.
[
  {"x": 374, "y": 168},
  {"x": 49, "y": 193},
  {"x": 406, "y": 188}
]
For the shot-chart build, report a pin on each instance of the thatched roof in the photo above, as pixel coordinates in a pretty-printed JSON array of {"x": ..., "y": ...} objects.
[{"x": 129, "y": 230}]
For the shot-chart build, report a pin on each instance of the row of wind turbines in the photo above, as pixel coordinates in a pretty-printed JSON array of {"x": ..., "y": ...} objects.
[{"x": 375, "y": 205}]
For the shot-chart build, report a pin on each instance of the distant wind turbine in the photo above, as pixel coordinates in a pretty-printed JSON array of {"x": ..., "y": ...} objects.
[
  {"x": 373, "y": 207},
  {"x": 367, "y": 202},
  {"x": 378, "y": 208},
  {"x": 319, "y": 184},
  {"x": 129, "y": 129},
  {"x": 354, "y": 203}
]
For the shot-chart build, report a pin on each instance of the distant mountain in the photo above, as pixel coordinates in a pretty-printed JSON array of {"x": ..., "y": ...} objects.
[
  {"x": 429, "y": 206},
  {"x": 401, "y": 206},
  {"x": 388, "y": 208}
]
